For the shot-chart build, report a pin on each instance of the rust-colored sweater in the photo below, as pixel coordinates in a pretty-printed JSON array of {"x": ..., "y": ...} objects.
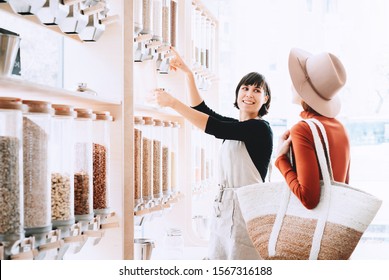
[{"x": 304, "y": 180}]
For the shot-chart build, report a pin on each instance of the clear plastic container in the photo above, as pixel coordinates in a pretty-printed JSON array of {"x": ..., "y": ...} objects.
[
  {"x": 166, "y": 154},
  {"x": 138, "y": 124},
  {"x": 83, "y": 166},
  {"x": 11, "y": 169},
  {"x": 36, "y": 175},
  {"x": 147, "y": 160},
  {"x": 61, "y": 168},
  {"x": 157, "y": 159},
  {"x": 157, "y": 20},
  {"x": 173, "y": 23},
  {"x": 138, "y": 23},
  {"x": 147, "y": 17},
  {"x": 101, "y": 162},
  {"x": 166, "y": 22},
  {"x": 174, "y": 158}
]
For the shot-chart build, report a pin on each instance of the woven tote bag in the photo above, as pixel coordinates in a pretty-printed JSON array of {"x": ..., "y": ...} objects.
[{"x": 280, "y": 227}]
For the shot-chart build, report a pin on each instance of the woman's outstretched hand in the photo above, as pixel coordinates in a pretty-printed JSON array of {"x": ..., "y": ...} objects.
[
  {"x": 163, "y": 98},
  {"x": 178, "y": 63}
]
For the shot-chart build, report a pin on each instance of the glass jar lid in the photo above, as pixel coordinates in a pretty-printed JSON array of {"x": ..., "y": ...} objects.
[
  {"x": 138, "y": 120},
  {"x": 11, "y": 103},
  {"x": 36, "y": 106},
  {"x": 103, "y": 115},
  {"x": 158, "y": 122},
  {"x": 148, "y": 120},
  {"x": 83, "y": 113},
  {"x": 64, "y": 110}
]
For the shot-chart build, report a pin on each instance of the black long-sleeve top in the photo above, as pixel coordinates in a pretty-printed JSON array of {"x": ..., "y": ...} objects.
[{"x": 255, "y": 133}]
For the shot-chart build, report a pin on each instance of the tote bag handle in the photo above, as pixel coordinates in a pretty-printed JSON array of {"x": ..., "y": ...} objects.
[{"x": 323, "y": 206}]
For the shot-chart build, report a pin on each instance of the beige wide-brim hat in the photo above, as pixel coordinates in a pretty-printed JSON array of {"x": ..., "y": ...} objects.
[{"x": 317, "y": 79}]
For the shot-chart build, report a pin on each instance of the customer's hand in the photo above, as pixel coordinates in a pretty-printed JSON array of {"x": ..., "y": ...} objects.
[
  {"x": 163, "y": 98},
  {"x": 178, "y": 63},
  {"x": 284, "y": 144}
]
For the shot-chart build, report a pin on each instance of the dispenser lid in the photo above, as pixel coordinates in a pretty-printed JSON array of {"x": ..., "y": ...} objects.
[
  {"x": 36, "y": 106},
  {"x": 64, "y": 110},
  {"x": 148, "y": 120},
  {"x": 12, "y": 103},
  {"x": 84, "y": 113},
  {"x": 103, "y": 115}
]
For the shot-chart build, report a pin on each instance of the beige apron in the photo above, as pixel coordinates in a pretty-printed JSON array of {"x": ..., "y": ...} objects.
[{"x": 229, "y": 239}]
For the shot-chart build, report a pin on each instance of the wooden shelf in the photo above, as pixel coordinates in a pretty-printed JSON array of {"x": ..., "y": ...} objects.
[
  {"x": 17, "y": 87},
  {"x": 159, "y": 207},
  {"x": 26, "y": 248}
]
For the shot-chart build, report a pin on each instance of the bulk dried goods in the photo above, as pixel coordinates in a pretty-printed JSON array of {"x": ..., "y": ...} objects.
[
  {"x": 61, "y": 196},
  {"x": 10, "y": 194},
  {"x": 36, "y": 199},
  {"x": 99, "y": 177}
]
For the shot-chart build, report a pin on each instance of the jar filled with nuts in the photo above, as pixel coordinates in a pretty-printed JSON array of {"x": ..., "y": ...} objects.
[
  {"x": 174, "y": 158},
  {"x": 166, "y": 162},
  {"x": 147, "y": 160},
  {"x": 83, "y": 166},
  {"x": 61, "y": 168},
  {"x": 101, "y": 153},
  {"x": 138, "y": 124},
  {"x": 157, "y": 160},
  {"x": 11, "y": 172},
  {"x": 36, "y": 175}
]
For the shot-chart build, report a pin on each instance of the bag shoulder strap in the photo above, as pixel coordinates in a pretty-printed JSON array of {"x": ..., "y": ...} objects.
[{"x": 324, "y": 204}]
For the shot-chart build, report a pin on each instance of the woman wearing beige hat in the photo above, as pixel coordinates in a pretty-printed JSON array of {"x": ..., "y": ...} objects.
[{"x": 317, "y": 80}]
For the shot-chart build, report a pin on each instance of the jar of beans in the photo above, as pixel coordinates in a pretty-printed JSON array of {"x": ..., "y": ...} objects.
[
  {"x": 11, "y": 172},
  {"x": 36, "y": 175},
  {"x": 83, "y": 166},
  {"x": 61, "y": 168},
  {"x": 101, "y": 153}
]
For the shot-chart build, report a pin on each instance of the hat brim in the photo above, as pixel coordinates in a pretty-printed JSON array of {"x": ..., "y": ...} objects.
[{"x": 328, "y": 108}]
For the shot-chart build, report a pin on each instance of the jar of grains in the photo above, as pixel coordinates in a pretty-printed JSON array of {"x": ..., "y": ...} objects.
[
  {"x": 138, "y": 124},
  {"x": 166, "y": 22},
  {"x": 62, "y": 180},
  {"x": 147, "y": 160},
  {"x": 157, "y": 159},
  {"x": 11, "y": 176},
  {"x": 157, "y": 20},
  {"x": 36, "y": 176},
  {"x": 138, "y": 24},
  {"x": 83, "y": 166},
  {"x": 101, "y": 153},
  {"x": 174, "y": 159},
  {"x": 147, "y": 17},
  {"x": 166, "y": 150}
]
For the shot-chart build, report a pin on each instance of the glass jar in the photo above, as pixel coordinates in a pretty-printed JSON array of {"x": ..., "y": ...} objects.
[
  {"x": 138, "y": 24},
  {"x": 11, "y": 172},
  {"x": 36, "y": 176},
  {"x": 174, "y": 244},
  {"x": 101, "y": 162},
  {"x": 147, "y": 160},
  {"x": 62, "y": 180},
  {"x": 166, "y": 164},
  {"x": 138, "y": 124},
  {"x": 147, "y": 18},
  {"x": 174, "y": 158},
  {"x": 157, "y": 20},
  {"x": 157, "y": 159},
  {"x": 166, "y": 22},
  {"x": 83, "y": 166},
  {"x": 173, "y": 23}
]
